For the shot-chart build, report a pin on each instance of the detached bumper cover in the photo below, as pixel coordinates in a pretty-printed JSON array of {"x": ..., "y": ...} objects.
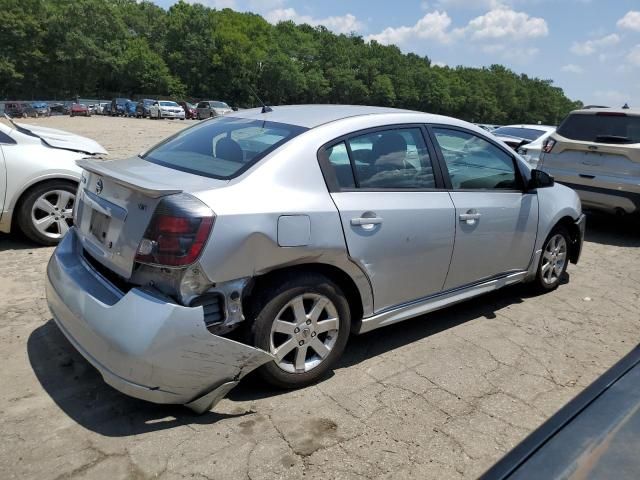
[{"x": 142, "y": 345}]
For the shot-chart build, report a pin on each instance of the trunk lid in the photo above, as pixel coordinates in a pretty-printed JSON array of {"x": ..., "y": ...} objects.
[{"x": 115, "y": 203}]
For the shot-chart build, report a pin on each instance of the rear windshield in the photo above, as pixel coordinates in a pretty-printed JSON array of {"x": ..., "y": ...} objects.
[
  {"x": 528, "y": 133},
  {"x": 601, "y": 128},
  {"x": 222, "y": 148}
]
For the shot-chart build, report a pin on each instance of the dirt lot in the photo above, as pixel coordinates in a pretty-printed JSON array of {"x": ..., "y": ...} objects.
[{"x": 441, "y": 396}]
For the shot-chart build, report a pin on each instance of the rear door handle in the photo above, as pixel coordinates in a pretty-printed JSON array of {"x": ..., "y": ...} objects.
[
  {"x": 584, "y": 175},
  {"x": 361, "y": 221}
]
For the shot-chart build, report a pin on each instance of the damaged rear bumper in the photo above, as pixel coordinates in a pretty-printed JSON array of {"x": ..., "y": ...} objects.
[{"x": 143, "y": 345}]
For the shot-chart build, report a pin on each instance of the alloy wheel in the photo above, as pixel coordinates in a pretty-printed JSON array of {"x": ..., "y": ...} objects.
[
  {"x": 304, "y": 332},
  {"x": 52, "y": 213},
  {"x": 554, "y": 259}
]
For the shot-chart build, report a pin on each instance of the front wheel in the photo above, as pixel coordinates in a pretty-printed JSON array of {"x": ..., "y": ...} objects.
[
  {"x": 304, "y": 322},
  {"x": 554, "y": 260},
  {"x": 46, "y": 212}
]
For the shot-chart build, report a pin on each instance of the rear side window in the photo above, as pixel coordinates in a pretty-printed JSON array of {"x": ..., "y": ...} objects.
[
  {"x": 222, "y": 148},
  {"x": 601, "y": 128},
  {"x": 385, "y": 159}
]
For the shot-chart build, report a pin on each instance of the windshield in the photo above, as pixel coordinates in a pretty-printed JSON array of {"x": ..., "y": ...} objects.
[
  {"x": 148, "y": 102},
  {"x": 222, "y": 148},
  {"x": 528, "y": 133},
  {"x": 601, "y": 128},
  {"x": 220, "y": 105},
  {"x": 122, "y": 100},
  {"x": 39, "y": 105},
  {"x": 169, "y": 104}
]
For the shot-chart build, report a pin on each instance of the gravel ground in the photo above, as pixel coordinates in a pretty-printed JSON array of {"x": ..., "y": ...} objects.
[{"x": 441, "y": 396}]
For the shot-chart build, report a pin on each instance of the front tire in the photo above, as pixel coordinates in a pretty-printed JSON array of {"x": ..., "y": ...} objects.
[
  {"x": 305, "y": 323},
  {"x": 554, "y": 260},
  {"x": 45, "y": 213}
]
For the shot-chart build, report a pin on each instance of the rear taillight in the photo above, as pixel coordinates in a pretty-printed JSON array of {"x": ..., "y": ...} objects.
[
  {"x": 177, "y": 232},
  {"x": 548, "y": 145}
]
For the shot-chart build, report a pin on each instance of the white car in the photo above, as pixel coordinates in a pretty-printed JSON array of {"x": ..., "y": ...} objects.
[
  {"x": 517, "y": 136},
  {"x": 531, "y": 151},
  {"x": 166, "y": 109},
  {"x": 39, "y": 178}
]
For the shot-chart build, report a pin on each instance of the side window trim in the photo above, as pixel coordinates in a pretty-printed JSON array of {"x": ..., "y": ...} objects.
[
  {"x": 6, "y": 139},
  {"x": 445, "y": 171},
  {"x": 329, "y": 172}
]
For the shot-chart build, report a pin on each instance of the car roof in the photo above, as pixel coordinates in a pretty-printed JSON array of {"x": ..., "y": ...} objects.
[
  {"x": 310, "y": 116},
  {"x": 593, "y": 111},
  {"x": 546, "y": 128}
]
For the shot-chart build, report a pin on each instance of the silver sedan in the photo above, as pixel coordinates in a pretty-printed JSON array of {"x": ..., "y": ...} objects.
[{"x": 262, "y": 239}]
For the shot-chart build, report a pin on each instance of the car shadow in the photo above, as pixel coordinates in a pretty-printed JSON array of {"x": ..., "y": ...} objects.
[
  {"x": 617, "y": 231},
  {"x": 16, "y": 241},
  {"x": 383, "y": 340},
  {"x": 79, "y": 390}
]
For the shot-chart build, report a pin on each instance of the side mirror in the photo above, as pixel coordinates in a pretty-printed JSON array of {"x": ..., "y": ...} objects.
[{"x": 540, "y": 179}]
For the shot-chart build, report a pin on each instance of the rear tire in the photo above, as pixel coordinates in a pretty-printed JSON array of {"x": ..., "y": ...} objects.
[
  {"x": 312, "y": 329},
  {"x": 47, "y": 204},
  {"x": 553, "y": 261}
]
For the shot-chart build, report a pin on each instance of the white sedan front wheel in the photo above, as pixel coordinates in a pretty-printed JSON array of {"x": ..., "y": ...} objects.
[{"x": 46, "y": 212}]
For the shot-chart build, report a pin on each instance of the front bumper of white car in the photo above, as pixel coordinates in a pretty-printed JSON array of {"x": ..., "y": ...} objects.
[
  {"x": 171, "y": 114},
  {"x": 142, "y": 344}
]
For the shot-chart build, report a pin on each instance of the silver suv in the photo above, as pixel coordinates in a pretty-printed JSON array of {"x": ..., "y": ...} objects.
[
  {"x": 597, "y": 153},
  {"x": 263, "y": 239}
]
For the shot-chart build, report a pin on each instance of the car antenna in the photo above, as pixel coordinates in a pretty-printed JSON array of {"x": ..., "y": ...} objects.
[{"x": 265, "y": 108}]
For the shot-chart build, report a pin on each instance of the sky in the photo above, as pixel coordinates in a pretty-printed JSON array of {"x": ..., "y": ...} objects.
[{"x": 590, "y": 48}]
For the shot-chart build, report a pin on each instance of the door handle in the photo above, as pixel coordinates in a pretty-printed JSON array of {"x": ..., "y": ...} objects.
[
  {"x": 584, "y": 175},
  {"x": 361, "y": 221},
  {"x": 470, "y": 217}
]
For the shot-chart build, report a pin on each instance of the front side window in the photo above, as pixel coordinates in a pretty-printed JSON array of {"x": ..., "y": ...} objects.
[
  {"x": 222, "y": 148},
  {"x": 475, "y": 163},
  {"x": 391, "y": 159}
]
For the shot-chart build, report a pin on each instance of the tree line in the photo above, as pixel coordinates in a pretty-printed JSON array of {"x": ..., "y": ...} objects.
[{"x": 103, "y": 48}]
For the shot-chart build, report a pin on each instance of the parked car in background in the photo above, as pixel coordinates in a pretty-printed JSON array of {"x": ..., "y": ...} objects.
[
  {"x": 100, "y": 108},
  {"x": 212, "y": 108},
  {"x": 130, "y": 108},
  {"x": 19, "y": 110},
  {"x": 301, "y": 225},
  {"x": 597, "y": 153},
  {"x": 518, "y": 135},
  {"x": 488, "y": 127},
  {"x": 79, "y": 110},
  {"x": 91, "y": 108},
  {"x": 59, "y": 109},
  {"x": 531, "y": 151},
  {"x": 41, "y": 109},
  {"x": 166, "y": 109},
  {"x": 190, "y": 111},
  {"x": 118, "y": 106},
  {"x": 106, "y": 110},
  {"x": 143, "y": 106},
  {"x": 39, "y": 179}
]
